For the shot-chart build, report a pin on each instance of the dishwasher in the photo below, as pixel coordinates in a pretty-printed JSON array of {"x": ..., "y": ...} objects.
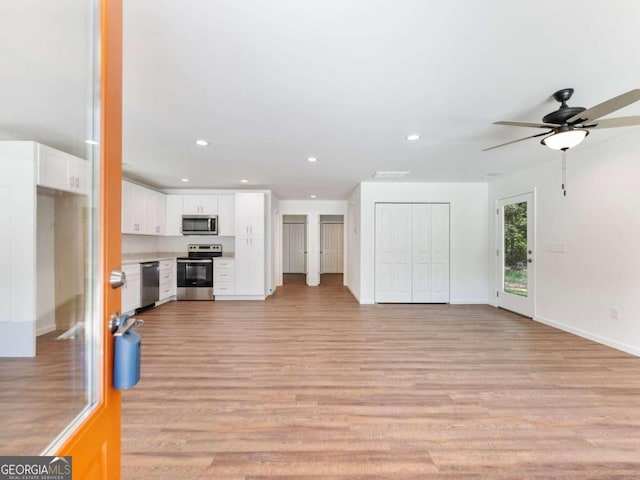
[{"x": 150, "y": 285}]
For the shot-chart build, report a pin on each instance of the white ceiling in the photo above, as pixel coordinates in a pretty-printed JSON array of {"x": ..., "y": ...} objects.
[{"x": 270, "y": 83}]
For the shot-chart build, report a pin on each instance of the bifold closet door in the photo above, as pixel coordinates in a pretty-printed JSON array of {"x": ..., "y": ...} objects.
[
  {"x": 430, "y": 253},
  {"x": 393, "y": 253},
  {"x": 412, "y": 253}
]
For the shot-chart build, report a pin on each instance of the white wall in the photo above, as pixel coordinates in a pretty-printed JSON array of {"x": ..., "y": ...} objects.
[
  {"x": 312, "y": 209},
  {"x": 468, "y": 233},
  {"x": 599, "y": 221},
  {"x": 274, "y": 247},
  {"x": 17, "y": 249},
  {"x": 352, "y": 228},
  {"x": 45, "y": 265}
]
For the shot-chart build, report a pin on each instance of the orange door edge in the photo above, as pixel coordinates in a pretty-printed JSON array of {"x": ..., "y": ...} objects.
[{"x": 95, "y": 445}]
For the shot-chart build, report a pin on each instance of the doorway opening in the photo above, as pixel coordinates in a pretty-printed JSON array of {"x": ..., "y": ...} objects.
[
  {"x": 331, "y": 250},
  {"x": 294, "y": 249}
]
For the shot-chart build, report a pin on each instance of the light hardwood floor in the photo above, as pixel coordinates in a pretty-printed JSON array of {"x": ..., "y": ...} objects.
[
  {"x": 39, "y": 396},
  {"x": 311, "y": 385}
]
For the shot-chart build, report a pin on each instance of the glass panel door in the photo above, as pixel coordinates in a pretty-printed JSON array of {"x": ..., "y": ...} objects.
[
  {"x": 50, "y": 340},
  {"x": 515, "y": 253}
]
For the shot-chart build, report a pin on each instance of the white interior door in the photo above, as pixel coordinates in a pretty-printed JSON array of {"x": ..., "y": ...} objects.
[
  {"x": 298, "y": 248},
  {"x": 393, "y": 253},
  {"x": 332, "y": 249},
  {"x": 430, "y": 262},
  {"x": 294, "y": 248},
  {"x": 516, "y": 254}
]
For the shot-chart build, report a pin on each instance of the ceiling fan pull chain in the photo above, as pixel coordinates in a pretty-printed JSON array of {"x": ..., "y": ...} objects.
[{"x": 564, "y": 172}]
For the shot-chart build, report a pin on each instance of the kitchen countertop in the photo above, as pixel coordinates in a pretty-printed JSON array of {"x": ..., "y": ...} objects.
[{"x": 129, "y": 258}]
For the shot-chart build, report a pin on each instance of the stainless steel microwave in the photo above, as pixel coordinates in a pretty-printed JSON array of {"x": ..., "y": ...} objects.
[{"x": 199, "y": 224}]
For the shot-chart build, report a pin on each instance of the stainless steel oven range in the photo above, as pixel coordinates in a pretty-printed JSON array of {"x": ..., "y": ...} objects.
[{"x": 195, "y": 272}]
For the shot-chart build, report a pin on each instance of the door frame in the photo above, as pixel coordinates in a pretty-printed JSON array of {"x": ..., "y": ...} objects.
[
  {"x": 95, "y": 444},
  {"x": 498, "y": 247}
]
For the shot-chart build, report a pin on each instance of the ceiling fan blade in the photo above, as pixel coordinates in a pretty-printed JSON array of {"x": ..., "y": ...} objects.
[
  {"x": 616, "y": 122},
  {"x": 516, "y": 141},
  {"x": 611, "y": 105},
  {"x": 525, "y": 124}
]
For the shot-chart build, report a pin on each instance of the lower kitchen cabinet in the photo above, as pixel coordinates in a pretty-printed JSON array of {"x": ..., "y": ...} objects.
[
  {"x": 224, "y": 275},
  {"x": 167, "y": 280},
  {"x": 131, "y": 289},
  {"x": 250, "y": 263}
]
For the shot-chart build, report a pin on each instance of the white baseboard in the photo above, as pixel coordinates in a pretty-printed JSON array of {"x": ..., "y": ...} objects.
[
  {"x": 591, "y": 336},
  {"x": 45, "y": 329},
  {"x": 224, "y": 298},
  {"x": 353, "y": 293},
  {"x": 466, "y": 301},
  {"x": 367, "y": 301}
]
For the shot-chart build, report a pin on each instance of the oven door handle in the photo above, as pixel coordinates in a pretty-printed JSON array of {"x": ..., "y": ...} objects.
[{"x": 195, "y": 261}]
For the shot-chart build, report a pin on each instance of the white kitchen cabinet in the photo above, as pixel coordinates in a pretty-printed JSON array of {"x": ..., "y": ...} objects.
[
  {"x": 156, "y": 212},
  {"x": 226, "y": 215},
  {"x": 173, "y": 217},
  {"x": 249, "y": 266},
  {"x": 134, "y": 208},
  {"x": 131, "y": 289},
  {"x": 167, "y": 279},
  {"x": 224, "y": 276},
  {"x": 249, "y": 214},
  {"x": 200, "y": 205},
  {"x": 61, "y": 171},
  {"x": 143, "y": 210}
]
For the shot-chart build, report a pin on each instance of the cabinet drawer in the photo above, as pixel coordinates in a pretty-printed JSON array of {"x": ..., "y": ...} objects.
[
  {"x": 131, "y": 269},
  {"x": 165, "y": 292},
  {"x": 224, "y": 288},
  {"x": 223, "y": 275},
  {"x": 166, "y": 264},
  {"x": 223, "y": 264},
  {"x": 166, "y": 276}
]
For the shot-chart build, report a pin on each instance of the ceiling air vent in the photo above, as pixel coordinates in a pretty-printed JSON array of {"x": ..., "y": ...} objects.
[{"x": 389, "y": 175}]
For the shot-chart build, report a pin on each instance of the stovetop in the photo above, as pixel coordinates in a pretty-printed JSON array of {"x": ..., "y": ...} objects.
[{"x": 206, "y": 250}]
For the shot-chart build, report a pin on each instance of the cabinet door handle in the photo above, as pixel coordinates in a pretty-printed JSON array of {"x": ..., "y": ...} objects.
[
  {"x": 77, "y": 182},
  {"x": 71, "y": 182}
]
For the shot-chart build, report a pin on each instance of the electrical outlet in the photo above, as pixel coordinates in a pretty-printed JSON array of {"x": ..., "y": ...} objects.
[{"x": 615, "y": 313}]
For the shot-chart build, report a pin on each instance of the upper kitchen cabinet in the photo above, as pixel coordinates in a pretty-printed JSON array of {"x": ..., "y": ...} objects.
[
  {"x": 173, "y": 216},
  {"x": 226, "y": 215},
  {"x": 61, "y": 171},
  {"x": 200, "y": 205},
  {"x": 156, "y": 211},
  {"x": 143, "y": 210},
  {"x": 249, "y": 214}
]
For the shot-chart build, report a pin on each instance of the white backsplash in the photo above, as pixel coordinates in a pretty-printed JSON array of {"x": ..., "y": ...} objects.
[
  {"x": 152, "y": 243},
  {"x": 139, "y": 244},
  {"x": 179, "y": 244}
]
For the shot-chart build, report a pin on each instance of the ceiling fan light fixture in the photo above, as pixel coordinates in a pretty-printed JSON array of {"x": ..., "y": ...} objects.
[{"x": 564, "y": 139}]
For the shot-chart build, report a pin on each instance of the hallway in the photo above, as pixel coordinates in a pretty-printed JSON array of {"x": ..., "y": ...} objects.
[{"x": 312, "y": 385}]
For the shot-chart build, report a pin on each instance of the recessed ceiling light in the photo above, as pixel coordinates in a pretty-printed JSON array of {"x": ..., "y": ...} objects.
[
  {"x": 312, "y": 196},
  {"x": 312, "y": 159},
  {"x": 244, "y": 180},
  {"x": 184, "y": 179},
  {"x": 413, "y": 137},
  {"x": 202, "y": 143},
  {"x": 91, "y": 142}
]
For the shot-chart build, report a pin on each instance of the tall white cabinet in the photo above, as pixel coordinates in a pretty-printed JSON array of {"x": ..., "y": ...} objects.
[
  {"x": 412, "y": 253},
  {"x": 250, "y": 245}
]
